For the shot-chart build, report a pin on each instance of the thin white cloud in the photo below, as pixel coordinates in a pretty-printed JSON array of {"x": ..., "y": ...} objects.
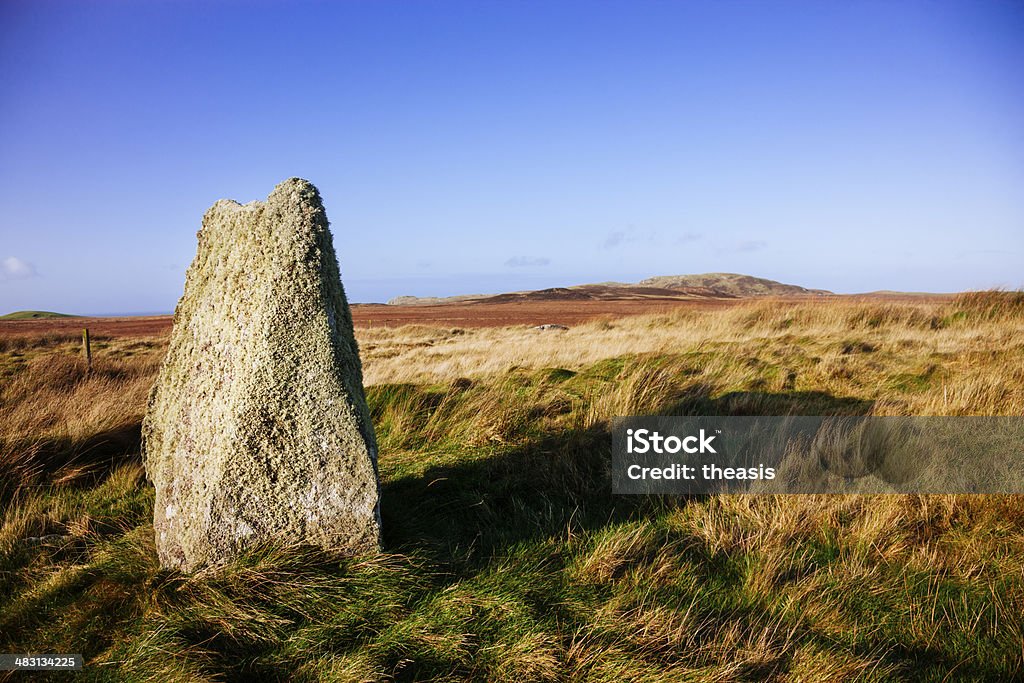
[
  {"x": 14, "y": 268},
  {"x": 614, "y": 239},
  {"x": 526, "y": 262},
  {"x": 689, "y": 237},
  {"x": 630, "y": 235},
  {"x": 750, "y": 245}
]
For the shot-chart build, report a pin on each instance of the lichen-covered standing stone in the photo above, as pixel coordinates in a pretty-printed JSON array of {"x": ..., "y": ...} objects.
[{"x": 257, "y": 428}]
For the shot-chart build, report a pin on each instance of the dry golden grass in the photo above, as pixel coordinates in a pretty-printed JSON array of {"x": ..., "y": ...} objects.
[
  {"x": 509, "y": 558},
  {"x": 965, "y": 357},
  {"x": 59, "y": 421},
  {"x": 55, "y": 397},
  {"x": 955, "y": 359}
]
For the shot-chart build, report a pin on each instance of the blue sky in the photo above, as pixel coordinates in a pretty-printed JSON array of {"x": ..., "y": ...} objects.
[{"x": 487, "y": 146}]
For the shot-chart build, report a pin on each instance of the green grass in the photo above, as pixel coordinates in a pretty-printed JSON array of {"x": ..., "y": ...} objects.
[
  {"x": 35, "y": 315},
  {"x": 508, "y": 558}
]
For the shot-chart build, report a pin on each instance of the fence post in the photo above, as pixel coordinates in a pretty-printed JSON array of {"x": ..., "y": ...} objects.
[{"x": 87, "y": 349}]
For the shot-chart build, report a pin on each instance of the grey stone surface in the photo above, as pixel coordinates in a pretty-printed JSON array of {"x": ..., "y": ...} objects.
[{"x": 257, "y": 427}]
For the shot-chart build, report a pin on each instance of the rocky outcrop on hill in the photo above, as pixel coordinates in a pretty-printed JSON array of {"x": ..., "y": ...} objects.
[{"x": 729, "y": 284}]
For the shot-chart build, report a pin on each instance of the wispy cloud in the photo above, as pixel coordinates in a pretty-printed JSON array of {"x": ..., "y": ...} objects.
[
  {"x": 749, "y": 245},
  {"x": 628, "y": 236},
  {"x": 689, "y": 237},
  {"x": 14, "y": 268},
  {"x": 526, "y": 262},
  {"x": 614, "y": 239}
]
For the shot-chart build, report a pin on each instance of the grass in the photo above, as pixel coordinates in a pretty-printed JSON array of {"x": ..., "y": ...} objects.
[
  {"x": 34, "y": 315},
  {"x": 506, "y": 556}
]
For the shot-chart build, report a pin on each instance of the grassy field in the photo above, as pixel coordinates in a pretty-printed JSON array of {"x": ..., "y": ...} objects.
[{"x": 506, "y": 555}]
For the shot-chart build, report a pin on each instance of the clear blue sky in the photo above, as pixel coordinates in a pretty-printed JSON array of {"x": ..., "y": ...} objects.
[{"x": 486, "y": 146}]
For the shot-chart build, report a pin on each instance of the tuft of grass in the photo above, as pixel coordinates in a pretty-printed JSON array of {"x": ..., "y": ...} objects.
[{"x": 991, "y": 304}]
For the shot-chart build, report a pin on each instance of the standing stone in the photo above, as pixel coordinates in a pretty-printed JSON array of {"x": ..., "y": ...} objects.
[{"x": 257, "y": 428}]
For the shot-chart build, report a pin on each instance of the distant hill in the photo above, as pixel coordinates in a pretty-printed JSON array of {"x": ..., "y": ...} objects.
[
  {"x": 35, "y": 315},
  {"x": 432, "y": 300},
  {"x": 732, "y": 284},
  {"x": 665, "y": 287}
]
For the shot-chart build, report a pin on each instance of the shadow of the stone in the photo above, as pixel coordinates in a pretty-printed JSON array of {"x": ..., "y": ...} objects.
[{"x": 464, "y": 514}]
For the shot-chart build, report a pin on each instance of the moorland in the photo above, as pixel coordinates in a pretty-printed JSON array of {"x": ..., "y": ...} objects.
[{"x": 506, "y": 557}]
